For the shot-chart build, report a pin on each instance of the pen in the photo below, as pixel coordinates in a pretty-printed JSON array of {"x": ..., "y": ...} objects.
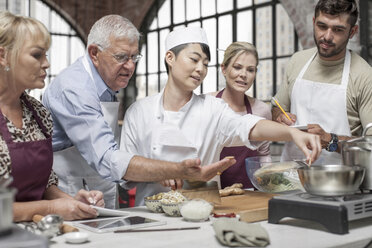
[
  {"x": 85, "y": 185},
  {"x": 281, "y": 109}
]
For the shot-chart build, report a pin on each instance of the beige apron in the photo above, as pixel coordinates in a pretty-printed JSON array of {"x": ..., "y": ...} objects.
[
  {"x": 323, "y": 104},
  {"x": 71, "y": 167}
]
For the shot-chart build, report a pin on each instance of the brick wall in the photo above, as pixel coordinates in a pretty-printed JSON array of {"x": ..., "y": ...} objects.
[
  {"x": 301, "y": 13},
  {"x": 81, "y": 14}
]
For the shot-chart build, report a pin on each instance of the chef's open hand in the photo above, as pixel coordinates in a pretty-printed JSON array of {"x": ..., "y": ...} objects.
[
  {"x": 93, "y": 197},
  {"x": 172, "y": 183},
  {"x": 71, "y": 209},
  {"x": 324, "y": 136},
  {"x": 306, "y": 141},
  {"x": 284, "y": 120},
  {"x": 194, "y": 171}
]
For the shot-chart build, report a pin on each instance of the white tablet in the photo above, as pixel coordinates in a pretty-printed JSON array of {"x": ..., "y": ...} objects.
[
  {"x": 110, "y": 212},
  {"x": 117, "y": 223}
]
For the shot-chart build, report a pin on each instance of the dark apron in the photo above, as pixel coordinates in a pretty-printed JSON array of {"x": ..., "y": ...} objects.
[
  {"x": 237, "y": 172},
  {"x": 31, "y": 161}
]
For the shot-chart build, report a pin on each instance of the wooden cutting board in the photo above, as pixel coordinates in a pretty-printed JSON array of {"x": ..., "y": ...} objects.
[{"x": 252, "y": 206}]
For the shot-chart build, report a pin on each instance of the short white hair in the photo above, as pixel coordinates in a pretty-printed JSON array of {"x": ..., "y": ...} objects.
[{"x": 115, "y": 26}]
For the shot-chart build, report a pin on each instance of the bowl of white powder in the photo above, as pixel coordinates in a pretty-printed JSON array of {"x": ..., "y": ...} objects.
[{"x": 196, "y": 210}]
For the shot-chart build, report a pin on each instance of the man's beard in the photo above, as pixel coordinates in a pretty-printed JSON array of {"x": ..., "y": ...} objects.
[{"x": 333, "y": 51}]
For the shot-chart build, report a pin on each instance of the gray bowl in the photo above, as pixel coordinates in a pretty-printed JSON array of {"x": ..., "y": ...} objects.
[{"x": 331, "y": 180}]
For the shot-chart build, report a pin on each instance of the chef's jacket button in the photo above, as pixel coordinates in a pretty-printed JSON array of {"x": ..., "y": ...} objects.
[
  {"x": 158, "y": 117},
  {"x": 154, "y": 148}
]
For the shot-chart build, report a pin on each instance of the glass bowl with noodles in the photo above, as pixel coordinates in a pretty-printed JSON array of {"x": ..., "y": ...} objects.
[{"x": 269, "y": 174}]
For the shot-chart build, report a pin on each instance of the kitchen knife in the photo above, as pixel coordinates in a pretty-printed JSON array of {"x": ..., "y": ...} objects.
[{"x": 203, "y": 190}]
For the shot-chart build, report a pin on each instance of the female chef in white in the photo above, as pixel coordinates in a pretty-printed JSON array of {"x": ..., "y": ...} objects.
[{"x": 177, "y": 124}]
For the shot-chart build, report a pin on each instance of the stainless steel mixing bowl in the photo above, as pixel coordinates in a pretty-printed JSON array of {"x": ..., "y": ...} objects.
[{"x": 331, "y": 180}]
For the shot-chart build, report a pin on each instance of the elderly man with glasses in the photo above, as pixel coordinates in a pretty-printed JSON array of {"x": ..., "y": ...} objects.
[{"x": 84, "y": 110}]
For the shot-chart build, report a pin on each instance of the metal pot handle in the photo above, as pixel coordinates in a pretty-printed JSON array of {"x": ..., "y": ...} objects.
[
  {"x": 356, "y": 148},
  {"x": 369, "y": 125}
]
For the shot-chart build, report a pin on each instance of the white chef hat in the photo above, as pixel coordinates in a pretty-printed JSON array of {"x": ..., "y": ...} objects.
[{"x": 184, "y": 36}]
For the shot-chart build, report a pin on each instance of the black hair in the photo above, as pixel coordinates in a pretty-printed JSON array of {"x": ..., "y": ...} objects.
[
  {"x": 177, "y": 49},
  {"x": 337, "y": 7}
]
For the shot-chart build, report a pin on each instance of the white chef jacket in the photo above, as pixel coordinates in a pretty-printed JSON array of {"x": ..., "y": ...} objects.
[{"x": 200, "y": 129}]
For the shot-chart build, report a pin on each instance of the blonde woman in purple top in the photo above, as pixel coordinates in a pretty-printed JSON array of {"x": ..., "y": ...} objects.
[{"x": 239, "y": 68}]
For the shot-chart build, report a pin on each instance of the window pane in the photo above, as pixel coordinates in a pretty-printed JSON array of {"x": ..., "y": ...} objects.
[
  {"x": 264, "y": 81},
  {"x": 141, "y": 65},
  {"x": 153, "y": 84},
  {"x": 178, "y": 11},
  {"x": 221, "y": 79},
  {"x": 58, "y": 51},
  {"x": 210, "y": 81},
  {"x": 244, "y": 26},
  {"x": 179, "y": 26},
  {"x": 163, "y": 80},
  {"x": 58, "y": 24},
  {"x": 141, "y": 86},
  {"x": 224, "y": 33},
  {"x": 249, "y": 92},
  {"x": 164, "y": 14},
  {"x": 224, "y": 5},
  {"x": 163, "y": 35},
  {"x": 192, "y": 9},
  {"x": 154, "y": 24},
  {"x": 209, "y": 26},
  {"x": 41, "y": 12},
  {"x": 264, "y": 31},
  {"x": 197, "y": 90},
  {"x": 261, "y": 1},
  {"x": 284, "y": 32},
  {"x": 194, "y": 24},
  {"x": 16, "y": 7},
  {"x": 208, "y": 7},
  {"x": 280, "y": 72},
  {"x": 77, "y": 49},
  {"x": 153, "y": 57},
  {"x": 244, "y": 3}
]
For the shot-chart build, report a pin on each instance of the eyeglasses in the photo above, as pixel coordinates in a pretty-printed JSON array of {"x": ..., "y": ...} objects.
[{"x": 123, "y": 58}]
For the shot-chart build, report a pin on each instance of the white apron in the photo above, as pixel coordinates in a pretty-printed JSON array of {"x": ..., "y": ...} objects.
[
  {"x": 169, "y": 143},
  {"x": 71, "y": 167},
  {"x": 323, "y": 104}
]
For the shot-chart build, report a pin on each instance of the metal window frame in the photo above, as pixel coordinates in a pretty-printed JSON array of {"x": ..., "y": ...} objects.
[
  {"x": 153, "y": 13},
  {"x": 50, "y": 19}
]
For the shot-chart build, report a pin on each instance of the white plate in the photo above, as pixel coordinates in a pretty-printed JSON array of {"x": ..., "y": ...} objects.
[
  {"x": 76, "y": 237},
  {"x": 301, "y": 127},
  {"x": 109, "y": 212}
]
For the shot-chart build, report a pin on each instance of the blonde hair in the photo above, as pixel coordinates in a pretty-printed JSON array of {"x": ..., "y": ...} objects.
[
  {"x": 13, "y": 30},
  {"x": 237, "y": 48}
]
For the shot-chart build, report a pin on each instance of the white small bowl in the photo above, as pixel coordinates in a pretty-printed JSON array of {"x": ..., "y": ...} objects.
[
  {"x": 172, "y": 209},
  {"x": 196, "y": 210},
  {"x": 76, "y": 237},
  {"x": 154, "y": 205}
]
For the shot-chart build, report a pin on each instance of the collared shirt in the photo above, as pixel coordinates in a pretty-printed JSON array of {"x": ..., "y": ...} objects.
[
  {"x": 201, "y": 128},
  {"x": 73, "y": 99}
]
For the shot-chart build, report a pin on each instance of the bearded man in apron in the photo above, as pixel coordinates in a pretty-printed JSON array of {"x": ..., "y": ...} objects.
[{"x": 328, "y": 88}]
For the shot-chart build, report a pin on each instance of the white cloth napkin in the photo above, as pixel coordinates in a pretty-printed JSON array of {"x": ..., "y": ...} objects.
[{"x": 231, "y": 232}]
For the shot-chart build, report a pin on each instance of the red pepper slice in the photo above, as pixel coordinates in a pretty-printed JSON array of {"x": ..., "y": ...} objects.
[{"x": 229, "y": 215}]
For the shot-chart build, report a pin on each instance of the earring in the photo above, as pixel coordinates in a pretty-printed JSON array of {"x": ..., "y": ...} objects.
[{"x": 6, "y": 68}]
